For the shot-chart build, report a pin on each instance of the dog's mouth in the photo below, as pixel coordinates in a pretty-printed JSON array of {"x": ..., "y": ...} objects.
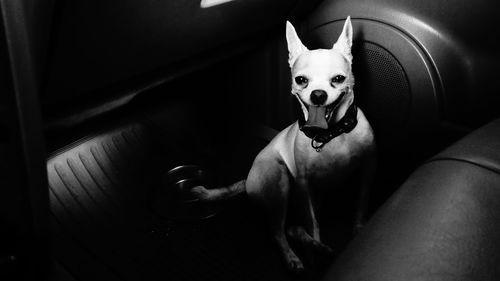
[{"x": 318, "y": 117}]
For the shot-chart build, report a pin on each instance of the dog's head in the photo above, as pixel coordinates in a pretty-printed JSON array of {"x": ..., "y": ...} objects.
[{"x": 322, "y": 79}]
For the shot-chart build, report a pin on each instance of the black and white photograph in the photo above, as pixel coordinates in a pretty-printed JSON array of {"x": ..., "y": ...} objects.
[{"x": 249, "y": 140}]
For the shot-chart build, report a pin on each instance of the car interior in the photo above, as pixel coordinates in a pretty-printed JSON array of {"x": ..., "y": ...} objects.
[{"x": 103, "y": 101}]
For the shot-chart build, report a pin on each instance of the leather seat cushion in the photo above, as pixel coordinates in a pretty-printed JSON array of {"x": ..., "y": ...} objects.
[{"x": 443, "y": 223}]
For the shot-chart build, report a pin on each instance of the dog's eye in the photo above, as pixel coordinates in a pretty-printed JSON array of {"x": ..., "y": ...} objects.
[
  {"x": 338, "y": 79},
  {"x": 301, "y": 80}
]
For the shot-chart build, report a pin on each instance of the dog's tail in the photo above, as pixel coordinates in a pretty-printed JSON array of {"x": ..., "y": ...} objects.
[{"x": 218, "y": 194}]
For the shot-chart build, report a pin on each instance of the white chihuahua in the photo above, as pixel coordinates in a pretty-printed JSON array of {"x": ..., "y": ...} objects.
[{"x": 331, "y": 139}]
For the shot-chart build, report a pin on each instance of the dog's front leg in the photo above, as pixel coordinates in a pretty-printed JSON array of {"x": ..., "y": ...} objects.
[
  {"x": 268, "y": 185},
  {"x": 308, "y": 233},
  {"x": 305, "y": 201}
]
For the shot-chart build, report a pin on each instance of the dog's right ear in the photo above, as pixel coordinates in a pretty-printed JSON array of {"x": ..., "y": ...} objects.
[{"x": 295, "y": 46}]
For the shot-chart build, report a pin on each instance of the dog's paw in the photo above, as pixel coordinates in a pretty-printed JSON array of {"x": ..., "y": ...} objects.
[{"x": 294, "y": 264}]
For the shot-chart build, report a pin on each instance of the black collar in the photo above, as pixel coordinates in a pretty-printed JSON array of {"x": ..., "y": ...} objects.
[{"x": 344, "y": 125}]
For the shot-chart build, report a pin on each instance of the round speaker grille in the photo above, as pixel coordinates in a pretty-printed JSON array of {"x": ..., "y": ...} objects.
[
  {"x": 381, "y": 86},
  {"x": 395, "y": 84}
]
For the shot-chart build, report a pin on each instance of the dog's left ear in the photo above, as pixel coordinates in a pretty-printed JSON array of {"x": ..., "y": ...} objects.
[
  {"x": 295, "y": 46},
  {"x": 344, "y": 42}
]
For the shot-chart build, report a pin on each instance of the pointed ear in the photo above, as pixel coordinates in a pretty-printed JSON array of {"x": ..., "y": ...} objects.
[
  {"x": 344, "y": 43},
  {"x": 295, "y": 46}
]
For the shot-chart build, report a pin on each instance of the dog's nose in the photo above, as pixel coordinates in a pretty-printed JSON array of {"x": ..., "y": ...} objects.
[{"x": 318, "y": 97}]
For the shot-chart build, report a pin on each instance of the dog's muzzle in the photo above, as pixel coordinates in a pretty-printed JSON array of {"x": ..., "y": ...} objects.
[{"x": 319, "y": 117}]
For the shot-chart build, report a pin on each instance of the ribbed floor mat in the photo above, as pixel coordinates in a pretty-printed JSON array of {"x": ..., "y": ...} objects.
[
  {"x": 96, "y": 202},
  {"x": 104, "y": 229}
]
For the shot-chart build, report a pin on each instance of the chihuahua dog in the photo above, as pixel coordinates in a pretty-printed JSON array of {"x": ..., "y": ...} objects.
[{"x": 331, "y": 139}]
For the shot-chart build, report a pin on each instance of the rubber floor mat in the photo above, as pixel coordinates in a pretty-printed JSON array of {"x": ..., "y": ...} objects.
[{"x": 104, "y": 229}]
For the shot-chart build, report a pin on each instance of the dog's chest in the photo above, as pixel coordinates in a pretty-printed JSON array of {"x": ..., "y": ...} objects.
[
  {"x": 336, "y": 160},
  {"x": 312, "y": 164}
]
